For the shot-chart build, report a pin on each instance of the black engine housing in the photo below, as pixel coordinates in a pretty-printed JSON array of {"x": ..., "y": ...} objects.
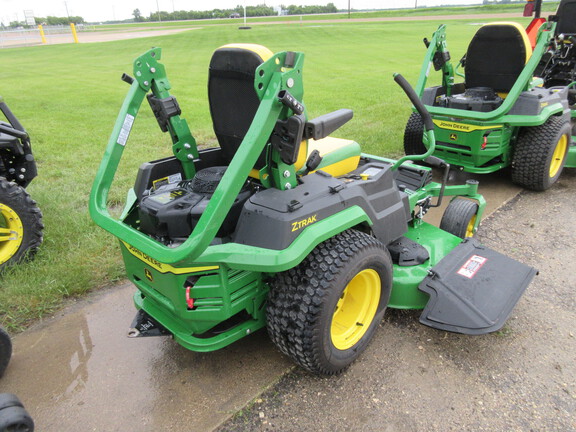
[{"x": 170, "y": 212}]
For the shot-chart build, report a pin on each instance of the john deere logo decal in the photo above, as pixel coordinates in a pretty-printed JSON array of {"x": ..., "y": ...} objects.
[
  {"x": 148, "y": 275},
  {"x": 453, "y": 137}
]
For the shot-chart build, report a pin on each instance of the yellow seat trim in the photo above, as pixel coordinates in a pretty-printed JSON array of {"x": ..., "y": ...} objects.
[
  {"x": 324, "y": 146},
  {"x": 261, "y": 50}
]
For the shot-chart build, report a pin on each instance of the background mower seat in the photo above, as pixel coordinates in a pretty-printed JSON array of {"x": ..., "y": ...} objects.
[
  {"x": 566, "y": 18},
  {"x": 234, "y": 102},
  {"x": 496, "y": 56}
]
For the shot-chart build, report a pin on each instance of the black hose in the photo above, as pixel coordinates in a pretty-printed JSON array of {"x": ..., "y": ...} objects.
[{"x": 426, "y": 117}]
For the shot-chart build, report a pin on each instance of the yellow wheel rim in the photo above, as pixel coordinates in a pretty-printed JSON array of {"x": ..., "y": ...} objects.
[
  {"x": 470, "y": 227},
  {"x": 355, "y": 309},
  {"x": 558, "y": 156},
  {"x": 11, "y": 233}
]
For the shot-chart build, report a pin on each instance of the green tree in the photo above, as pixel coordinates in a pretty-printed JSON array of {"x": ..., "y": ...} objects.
[{"x": 137, "y": 15}]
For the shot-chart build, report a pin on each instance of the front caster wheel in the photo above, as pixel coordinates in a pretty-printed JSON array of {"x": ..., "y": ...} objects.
[{"x": 459, "y": 218}]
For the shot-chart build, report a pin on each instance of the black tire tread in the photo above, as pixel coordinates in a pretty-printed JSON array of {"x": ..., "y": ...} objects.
[
  {"x": 533, "y": 151},
  {"x": 5, "y": 351},
  {"x": 413, "y": 135},
  {"x": 457, "y": 216},
  {"x": 19, "y": 200},
  {"x": 16, "y": 418},
  {"x": 296, "y": 296}
]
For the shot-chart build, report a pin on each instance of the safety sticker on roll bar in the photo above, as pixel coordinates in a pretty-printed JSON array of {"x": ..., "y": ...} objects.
[
  {"x": 125, "y": 131},
  {"x": 472, "y": 266}
]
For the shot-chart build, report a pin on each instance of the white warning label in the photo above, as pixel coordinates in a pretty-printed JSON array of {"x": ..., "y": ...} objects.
[
  {"x": 125, "y": 131},
  {"x": 472, "y": 266}
]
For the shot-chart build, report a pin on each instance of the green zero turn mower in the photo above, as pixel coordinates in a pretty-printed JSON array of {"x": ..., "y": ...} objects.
[
  {"x": 516, "y": 106},
  {"x": 285, "y": 227},
  {"x": 20, "y": 218}
]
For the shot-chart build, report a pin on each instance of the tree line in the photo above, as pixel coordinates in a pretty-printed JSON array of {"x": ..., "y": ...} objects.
[
  {"x": 49, "y": 20},
  {"x": 238, "y": 11}
]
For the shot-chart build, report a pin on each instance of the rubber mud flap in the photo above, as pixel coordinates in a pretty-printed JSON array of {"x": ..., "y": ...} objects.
[{"x": 473, "y": 289}]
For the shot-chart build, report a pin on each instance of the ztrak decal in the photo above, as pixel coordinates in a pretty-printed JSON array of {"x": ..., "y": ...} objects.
[
  {"x": 472, "y": 266},
  {"x": 303, "y": 223}
]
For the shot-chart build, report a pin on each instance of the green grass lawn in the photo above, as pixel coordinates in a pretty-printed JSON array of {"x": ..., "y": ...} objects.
[{"x": 68, "y": 96}]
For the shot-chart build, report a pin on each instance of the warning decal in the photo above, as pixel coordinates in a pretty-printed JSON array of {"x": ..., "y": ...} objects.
[
  {"x": 472, "y": 266},
  {"x": 126, "y": 128}
]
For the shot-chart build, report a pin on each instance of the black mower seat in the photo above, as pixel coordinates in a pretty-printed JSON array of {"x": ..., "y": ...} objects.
[
  {"x": 566, "y": 18},
  {"x": 496, "y": 56},
  {"x": 234, "y": 102}
]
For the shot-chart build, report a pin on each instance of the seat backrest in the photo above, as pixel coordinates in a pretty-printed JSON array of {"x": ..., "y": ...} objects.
[
  {"x": 566, "y": 16},
  {"x": 497, "y": 55},
  {"x": 233, "y": 99}
]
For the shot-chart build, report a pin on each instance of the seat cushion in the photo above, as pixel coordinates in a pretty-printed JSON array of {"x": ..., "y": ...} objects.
[{"x": 496, "y": 56}]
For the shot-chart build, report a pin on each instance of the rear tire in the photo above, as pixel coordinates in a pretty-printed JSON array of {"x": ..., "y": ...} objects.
[
  {"x": 459, "y": 218},
  {"x": 5, "y": 350},
  {"x": 324, "y": 312},
  {"x": 20, "y": 224},
  {"x": 540, "y": 153},
  {"x": 413, "y": 136}
]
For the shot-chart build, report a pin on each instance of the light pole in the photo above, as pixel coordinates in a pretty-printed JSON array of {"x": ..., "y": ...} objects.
[
  {"x": 67, "y": 14},
  {"x": 158, "y": 8}
]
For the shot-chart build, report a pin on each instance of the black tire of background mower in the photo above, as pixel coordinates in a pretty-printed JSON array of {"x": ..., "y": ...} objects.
[
  {"x": 18, "y": 200},
  {"x": 457, "y": 216},
  {"x": 533, "y": 154},
  {"x": 16, "y": 418},
  {"x": 302, "y": 300},
  {"x": 8, "y": 400},
  {"x": 5, "y": 351},
  {"x": 413, "y": 135}
]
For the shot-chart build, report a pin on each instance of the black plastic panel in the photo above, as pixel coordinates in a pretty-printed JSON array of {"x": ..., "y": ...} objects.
[{"x": 473, "y": 289}]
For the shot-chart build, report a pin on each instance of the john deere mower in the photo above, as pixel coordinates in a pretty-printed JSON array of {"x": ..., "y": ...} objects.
[
  {"x": 284, "y": 227},
  {"x": 515, "y": 103},
  {"x": 20, "y": 218}
]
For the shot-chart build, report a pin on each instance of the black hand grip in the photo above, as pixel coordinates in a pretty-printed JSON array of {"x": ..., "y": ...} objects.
[
  {"x": 127, "y": 78},
  {"x": 426, "y": 117}
]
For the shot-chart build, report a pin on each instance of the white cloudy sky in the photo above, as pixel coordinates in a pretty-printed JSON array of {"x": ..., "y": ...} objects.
[{"x": 101, "y": 10}]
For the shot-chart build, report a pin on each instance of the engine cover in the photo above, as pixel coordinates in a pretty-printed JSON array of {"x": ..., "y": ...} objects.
[{"x": 170, "y": 212}]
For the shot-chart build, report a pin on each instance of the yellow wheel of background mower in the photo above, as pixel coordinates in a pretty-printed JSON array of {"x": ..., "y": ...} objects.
[{"x": 20, "y": 224}]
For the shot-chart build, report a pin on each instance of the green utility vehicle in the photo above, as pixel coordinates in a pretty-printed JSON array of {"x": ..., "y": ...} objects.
[
  {"x": 516, "y": 103},
  {"x": 20, "y": 218},
  {"x": 284, "y": 227}
]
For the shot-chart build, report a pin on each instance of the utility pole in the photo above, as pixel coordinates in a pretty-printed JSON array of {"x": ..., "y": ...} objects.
[
  {"x": 67, "y": 14},
  {"x": 348, "y": 9},
  {"x": 158, "y": 8},
  {"x": 415, "y": 4}
]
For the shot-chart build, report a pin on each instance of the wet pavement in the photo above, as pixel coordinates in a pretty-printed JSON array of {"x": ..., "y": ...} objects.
[{"x": 79, "y": 372}]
